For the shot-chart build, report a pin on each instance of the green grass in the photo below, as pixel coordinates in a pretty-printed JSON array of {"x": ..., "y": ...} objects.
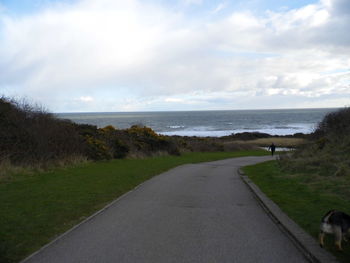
[
  {"x": 37, "y": 208},
  {"x": 302, "y": 198}
]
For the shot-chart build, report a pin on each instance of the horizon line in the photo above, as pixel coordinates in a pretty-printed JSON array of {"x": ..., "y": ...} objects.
[{"x": 151, "y": 111}]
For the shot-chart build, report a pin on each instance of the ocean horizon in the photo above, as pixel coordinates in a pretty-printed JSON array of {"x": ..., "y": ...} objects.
[{"x": 213, "y": 123}]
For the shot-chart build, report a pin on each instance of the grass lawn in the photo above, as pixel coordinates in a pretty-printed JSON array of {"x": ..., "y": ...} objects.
[
  {"x": 304, "y": 197},
  {"x": 37, "y": 208}
]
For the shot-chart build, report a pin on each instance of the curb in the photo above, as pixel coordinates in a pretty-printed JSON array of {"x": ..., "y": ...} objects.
[{"x": 303, "y": 241}]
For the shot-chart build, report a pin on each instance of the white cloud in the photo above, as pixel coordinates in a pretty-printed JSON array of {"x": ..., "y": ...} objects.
[
  {"x": 174, "y": 100},
  {"x": 192, "y": 2},
  {"x": 133, "y": 56},
  {"x": 86, "y": 99}
]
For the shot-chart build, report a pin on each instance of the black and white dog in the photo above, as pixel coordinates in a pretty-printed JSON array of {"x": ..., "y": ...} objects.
[{"x": 336, "y": 223}]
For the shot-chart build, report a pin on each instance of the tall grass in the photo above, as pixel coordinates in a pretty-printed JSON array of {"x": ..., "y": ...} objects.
[
  {"x": 284, "y": 142},
  {"x": 328, "y": 153},
  {"x": 280, "y": 142}
]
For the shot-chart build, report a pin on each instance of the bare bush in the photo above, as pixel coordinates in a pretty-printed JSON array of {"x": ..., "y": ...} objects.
[
  {"x": 29, "y": 134},
  {"x": 335, "y": 123}
]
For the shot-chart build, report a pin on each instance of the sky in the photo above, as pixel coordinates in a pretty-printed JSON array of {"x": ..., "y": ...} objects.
[{"x": 171, "y": 55}]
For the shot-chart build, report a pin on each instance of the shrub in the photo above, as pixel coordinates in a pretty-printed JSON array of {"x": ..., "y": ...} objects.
[
  {"x": 97, "y": 149},
  {"x": 28, "y": 134},
  {"x": 113, "y": 140},
  {"x": 335, "y": 124},
  {"x": 328, "y": 153},
  {"x": 145, "y": 140},
  {"x": 120, "y": 150},
  {"x": 86, "y": 130}
]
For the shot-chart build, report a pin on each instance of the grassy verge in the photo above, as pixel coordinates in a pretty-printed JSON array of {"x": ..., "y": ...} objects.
[
  {"x": 304, "y": 197},
  {"x": 35, "y": 209}
]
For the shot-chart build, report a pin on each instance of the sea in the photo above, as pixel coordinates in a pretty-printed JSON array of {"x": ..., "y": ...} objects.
[{"x": 209, "y": 123}]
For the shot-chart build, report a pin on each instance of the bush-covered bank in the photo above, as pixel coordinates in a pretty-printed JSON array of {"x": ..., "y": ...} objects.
[
  {"x": 30, "y": 137},
  {"x": 327, "y": 153},
  {"x": 303, "y": 197},
  {"x": 35, "y": 209},
  {"x": 29, "y": 134}
]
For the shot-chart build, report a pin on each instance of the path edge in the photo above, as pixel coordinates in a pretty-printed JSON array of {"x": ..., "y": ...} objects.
[
  {"x": 85, "y": 220},
  {"x": 91, "y": 217},
  {"x": 303, "y": 241}
]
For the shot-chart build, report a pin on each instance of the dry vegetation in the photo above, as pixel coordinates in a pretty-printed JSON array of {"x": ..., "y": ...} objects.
[
  {"x": 328, "y": 153},
  {"x": 283, "y": 142},
  {"x": 279, "y": 142},
  {"x": 29, "y": 134},
  {"x": 257, "y": 139}
]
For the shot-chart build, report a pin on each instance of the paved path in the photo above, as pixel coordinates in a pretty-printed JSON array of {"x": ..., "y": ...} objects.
[{"x": 193, "y": 213}]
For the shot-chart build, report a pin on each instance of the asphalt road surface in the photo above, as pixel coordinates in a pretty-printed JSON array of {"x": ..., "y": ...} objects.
[{"x": 193, "y": 213}]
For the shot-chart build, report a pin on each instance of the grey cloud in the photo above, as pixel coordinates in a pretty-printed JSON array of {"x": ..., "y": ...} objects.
[
  {"x": 332, "y": 36},
  {"x": 340, "y": 7}
]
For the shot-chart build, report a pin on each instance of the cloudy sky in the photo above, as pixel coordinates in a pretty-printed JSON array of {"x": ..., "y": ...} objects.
[{"x": 151, "y": 55}]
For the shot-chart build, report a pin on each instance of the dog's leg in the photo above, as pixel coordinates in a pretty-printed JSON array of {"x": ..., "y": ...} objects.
[
  {"x": 346, "y": 236},
  {"x": 321, "y": 238},
  {"x": 338, "y": 237}
]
